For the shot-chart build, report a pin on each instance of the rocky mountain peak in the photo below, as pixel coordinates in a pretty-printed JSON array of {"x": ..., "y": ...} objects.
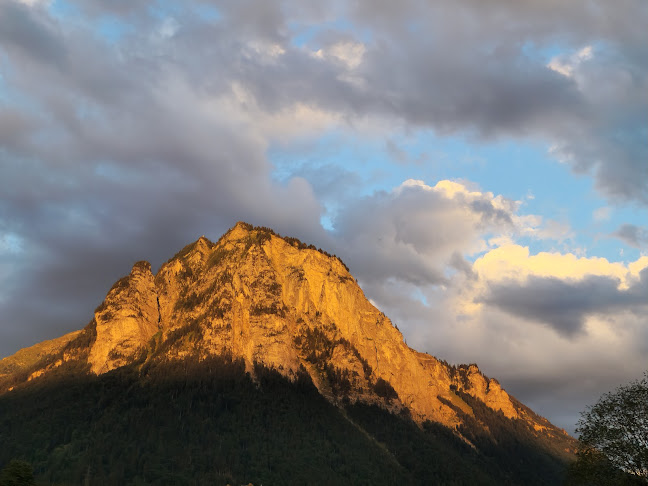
[
  {"x": 125, "y": 321},
  {"x": 264, "y": 298},
  {"x": 141, "y": 268}
]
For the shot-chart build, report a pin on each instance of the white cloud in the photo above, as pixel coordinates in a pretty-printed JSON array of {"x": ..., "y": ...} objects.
[
  {"x": 566, "y": 64},
  {"x": 35, "y": 3},
  {"x": 350, "y": 54},
  {"x": 168, "y": 28},
  {"x": 286, "y": 124},
  {"x": 264, "y": 52},
  {"x": 602, "y": 214},
  {"x": 514, "y": 262}
]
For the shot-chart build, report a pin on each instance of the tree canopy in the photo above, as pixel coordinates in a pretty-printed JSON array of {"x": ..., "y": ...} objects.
[
  {"x": 17, "y": 473},
  {"x": 614, "y": 434}
]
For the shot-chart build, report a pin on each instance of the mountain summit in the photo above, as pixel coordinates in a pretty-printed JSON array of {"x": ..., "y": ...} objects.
[{"x": 268, "y": 300}]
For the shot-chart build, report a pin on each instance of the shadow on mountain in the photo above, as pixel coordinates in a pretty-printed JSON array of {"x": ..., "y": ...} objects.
[{"x": 209, "y": 422}]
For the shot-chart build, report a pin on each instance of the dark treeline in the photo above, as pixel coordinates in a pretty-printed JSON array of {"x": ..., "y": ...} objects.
[{"x": 210, "y": 423}]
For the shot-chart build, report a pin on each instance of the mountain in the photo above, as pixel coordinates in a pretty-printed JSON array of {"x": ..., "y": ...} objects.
[
  {"x": 259, "y": 327},
  {"x": 28, "y": 357}
]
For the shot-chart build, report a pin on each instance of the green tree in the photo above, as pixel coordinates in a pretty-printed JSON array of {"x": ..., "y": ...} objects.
[
  {"x": 17, "y": 473},
  {"x": 613, "y": 437}
]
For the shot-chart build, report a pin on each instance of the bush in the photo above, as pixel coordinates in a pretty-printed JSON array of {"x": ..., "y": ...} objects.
[{"x": 17, "y": 473}]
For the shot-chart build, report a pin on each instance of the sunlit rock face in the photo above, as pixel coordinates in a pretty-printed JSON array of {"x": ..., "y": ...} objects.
[
  {"x": 273, "y": 300},
  {"x": 126, "y": 320},
  {"x": 28, "y": 357},
  {"x": 472, "y": 381}
]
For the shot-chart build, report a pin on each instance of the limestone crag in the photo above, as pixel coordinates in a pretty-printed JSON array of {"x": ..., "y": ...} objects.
[
  {"x": 472, "y": 381},
  {"x": 126, "y": 320},
  {"x": 268, "y": 299},
  {"x": 265, "y": 299}
]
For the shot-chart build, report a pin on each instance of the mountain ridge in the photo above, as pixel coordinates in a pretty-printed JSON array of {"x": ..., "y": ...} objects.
[{"x": 277, "y": 301}]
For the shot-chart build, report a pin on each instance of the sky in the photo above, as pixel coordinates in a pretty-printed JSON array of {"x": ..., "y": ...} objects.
[{"x": 481, "y": 166}]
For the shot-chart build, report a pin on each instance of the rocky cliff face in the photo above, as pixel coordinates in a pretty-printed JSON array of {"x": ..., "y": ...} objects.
[
  {"x": 273, "y": 300},
  {"x": 126, "y": 320}
]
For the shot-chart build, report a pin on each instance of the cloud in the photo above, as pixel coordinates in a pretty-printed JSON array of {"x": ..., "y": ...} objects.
[
  {"x": 554, "y": 342},
  {"x": 560, "y": 290},
  {"x": 516, "y": 262},
  {"x": 482, "y": 72},
  {"x": 565, "y": 305},
  {"x": 565, "y": 65},
  {"x": 478, "y": 72},
  {"x": 602, "y": 214},
  {"x": 632, "y": 235},
  {"x": 25, "y": 29},
  {"x": 351, "y": 54},
  {"x": 416, "y": 230}
]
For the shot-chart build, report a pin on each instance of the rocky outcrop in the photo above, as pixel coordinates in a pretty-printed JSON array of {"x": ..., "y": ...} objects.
[
  {"x": 469, "y": 379},
  {"x": 292, "y": 307},
  {"x": 126, "y": 320},
  {"x": 271, "y": 300}
]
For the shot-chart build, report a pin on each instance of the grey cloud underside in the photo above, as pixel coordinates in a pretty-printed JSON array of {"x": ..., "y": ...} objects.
[
  {"x": 564, "y": 305},
  {"x": 632, "y": 235}
]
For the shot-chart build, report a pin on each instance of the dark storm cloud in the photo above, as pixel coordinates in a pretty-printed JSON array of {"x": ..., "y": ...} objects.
[
  {"x": 564, "y": 305},
  {"x": 632, "y": 235}
]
